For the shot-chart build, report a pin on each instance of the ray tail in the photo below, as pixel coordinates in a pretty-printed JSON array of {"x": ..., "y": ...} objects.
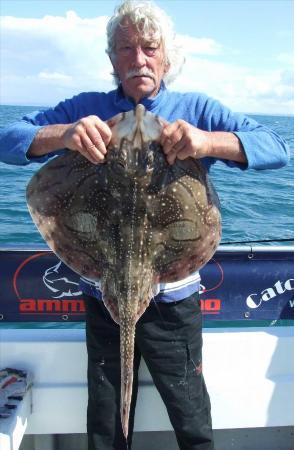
[{"x": 127, "y": 340}]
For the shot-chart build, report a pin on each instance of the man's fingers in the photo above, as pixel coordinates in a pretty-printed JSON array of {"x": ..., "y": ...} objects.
[
  {"x": 184, "y": 154},
  {"x": 179, "y": 145},
  {"x": 171, "y": 157},
  {"x": 104, "y": 130},
  {"x": 95, "y": 139},
  {"x": 171, "y": 135},
  {"x": 98, "y": 131},
  {"x": 89, "y": 136},
  {"x": 91, "y": 152}
]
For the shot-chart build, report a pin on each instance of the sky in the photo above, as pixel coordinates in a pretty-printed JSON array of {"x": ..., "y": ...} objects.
[{"x": 238, "y": 51}]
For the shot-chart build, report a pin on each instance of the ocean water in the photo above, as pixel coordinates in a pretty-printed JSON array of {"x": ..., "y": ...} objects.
[{"x": 256, "y": 205}]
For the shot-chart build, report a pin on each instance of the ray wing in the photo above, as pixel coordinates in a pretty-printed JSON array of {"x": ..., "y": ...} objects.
[{"x": 69, "y": 202}]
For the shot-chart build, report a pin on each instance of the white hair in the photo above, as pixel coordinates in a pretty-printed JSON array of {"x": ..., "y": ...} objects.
[{"x": 150, "y": 21}]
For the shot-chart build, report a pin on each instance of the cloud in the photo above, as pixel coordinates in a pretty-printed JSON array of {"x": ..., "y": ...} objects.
[
  {"x": 285, "y": 34},
  {"x": 48, "y": 59},
  {"x": 286, "y": 58},
  {"x": 55, "y": 76},
  {"x": 239, "y": 87},
  {"x": 287, "y": 77},
  {"x": 199, "y": 46},
  {"x": 67, "y": 54}
]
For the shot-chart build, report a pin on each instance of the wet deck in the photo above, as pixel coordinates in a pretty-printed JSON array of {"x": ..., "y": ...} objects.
[{"x": 276, "y": 438}]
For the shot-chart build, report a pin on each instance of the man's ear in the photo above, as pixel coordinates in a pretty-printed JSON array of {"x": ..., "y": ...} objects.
[
  {"x": 112, "y": 60},
  {"x": 166, "y": 68}
]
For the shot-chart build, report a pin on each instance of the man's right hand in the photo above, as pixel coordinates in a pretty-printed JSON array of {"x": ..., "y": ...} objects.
[{"x": 89, "y": 136}]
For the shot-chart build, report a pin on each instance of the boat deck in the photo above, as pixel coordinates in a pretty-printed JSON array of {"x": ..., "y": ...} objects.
[
  {"x": 239, "y": 439},
  {"x": 248, "y": 339}
]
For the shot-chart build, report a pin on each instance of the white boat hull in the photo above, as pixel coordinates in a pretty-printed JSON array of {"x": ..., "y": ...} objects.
[{"x": 249, "y": 375}]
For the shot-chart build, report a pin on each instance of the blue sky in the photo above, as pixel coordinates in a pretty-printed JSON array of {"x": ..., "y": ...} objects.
[{"x": 239, "y": 51}]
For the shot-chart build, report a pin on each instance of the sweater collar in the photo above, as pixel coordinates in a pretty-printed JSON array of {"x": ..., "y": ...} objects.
[{"x": 124, "y": 103}]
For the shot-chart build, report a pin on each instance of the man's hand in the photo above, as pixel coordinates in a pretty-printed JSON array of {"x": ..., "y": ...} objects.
[
  {"x": 89, "y": 136},
  {"x": 182, "y": 140}
]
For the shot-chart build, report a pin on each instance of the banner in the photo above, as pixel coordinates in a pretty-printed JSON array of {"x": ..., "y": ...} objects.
[{"x": 238, "y": 285}]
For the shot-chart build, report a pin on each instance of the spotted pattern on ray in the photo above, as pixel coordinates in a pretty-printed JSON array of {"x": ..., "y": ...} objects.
[{"x": 131, "y": 223}]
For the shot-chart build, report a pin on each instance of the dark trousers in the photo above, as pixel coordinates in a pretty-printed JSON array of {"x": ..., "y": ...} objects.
[{"x": 169, "y": 337}]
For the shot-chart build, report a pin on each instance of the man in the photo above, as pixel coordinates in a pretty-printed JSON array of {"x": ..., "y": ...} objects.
[{"x": 168, "y": 335}]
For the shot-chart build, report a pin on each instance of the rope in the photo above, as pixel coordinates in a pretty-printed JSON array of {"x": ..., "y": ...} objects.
[{"x": 258, "y": 242}]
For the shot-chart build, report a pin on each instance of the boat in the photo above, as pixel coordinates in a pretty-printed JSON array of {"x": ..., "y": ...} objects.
[{"x": 247, "y": 301}]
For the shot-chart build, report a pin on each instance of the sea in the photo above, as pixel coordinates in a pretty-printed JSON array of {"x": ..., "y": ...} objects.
[{"x": 256, "y": 206}]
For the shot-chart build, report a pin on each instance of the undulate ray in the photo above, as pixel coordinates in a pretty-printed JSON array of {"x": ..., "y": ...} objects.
[{"x": 131, "y": 223}]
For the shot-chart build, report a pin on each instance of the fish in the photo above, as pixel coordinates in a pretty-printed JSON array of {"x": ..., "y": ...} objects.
[{"x": 129, "y": 223}]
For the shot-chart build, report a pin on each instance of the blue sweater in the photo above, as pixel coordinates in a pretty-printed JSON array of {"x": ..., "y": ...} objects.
[{"x": 264, "y": 149}]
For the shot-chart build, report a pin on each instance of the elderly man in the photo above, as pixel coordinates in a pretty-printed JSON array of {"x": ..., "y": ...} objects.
[{"x": 169, "y": 336}]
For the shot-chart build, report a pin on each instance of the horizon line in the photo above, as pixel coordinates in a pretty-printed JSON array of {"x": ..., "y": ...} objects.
[{"x": 237, "y": 112}]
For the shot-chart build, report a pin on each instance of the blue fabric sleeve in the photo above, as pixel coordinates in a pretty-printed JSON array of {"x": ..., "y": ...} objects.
[
  {"x": 16, "y": 139},
  {"x": 264, "y": 149}
]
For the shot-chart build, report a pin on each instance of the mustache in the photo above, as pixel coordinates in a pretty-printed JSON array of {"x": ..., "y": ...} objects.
[{"x": 139, "y": 73}]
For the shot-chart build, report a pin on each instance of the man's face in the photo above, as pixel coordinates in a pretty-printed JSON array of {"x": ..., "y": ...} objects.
[{"x": 139, "y": 63}]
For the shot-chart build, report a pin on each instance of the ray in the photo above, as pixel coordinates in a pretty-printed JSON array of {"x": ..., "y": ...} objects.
[{"x": 131, "y": 222}]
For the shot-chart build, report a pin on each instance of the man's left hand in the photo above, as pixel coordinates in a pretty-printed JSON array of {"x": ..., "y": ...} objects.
[{"x": 182, "y": 140}]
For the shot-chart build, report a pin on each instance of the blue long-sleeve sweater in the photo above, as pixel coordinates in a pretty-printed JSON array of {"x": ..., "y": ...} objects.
[{"x": 264, "y": 149}]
